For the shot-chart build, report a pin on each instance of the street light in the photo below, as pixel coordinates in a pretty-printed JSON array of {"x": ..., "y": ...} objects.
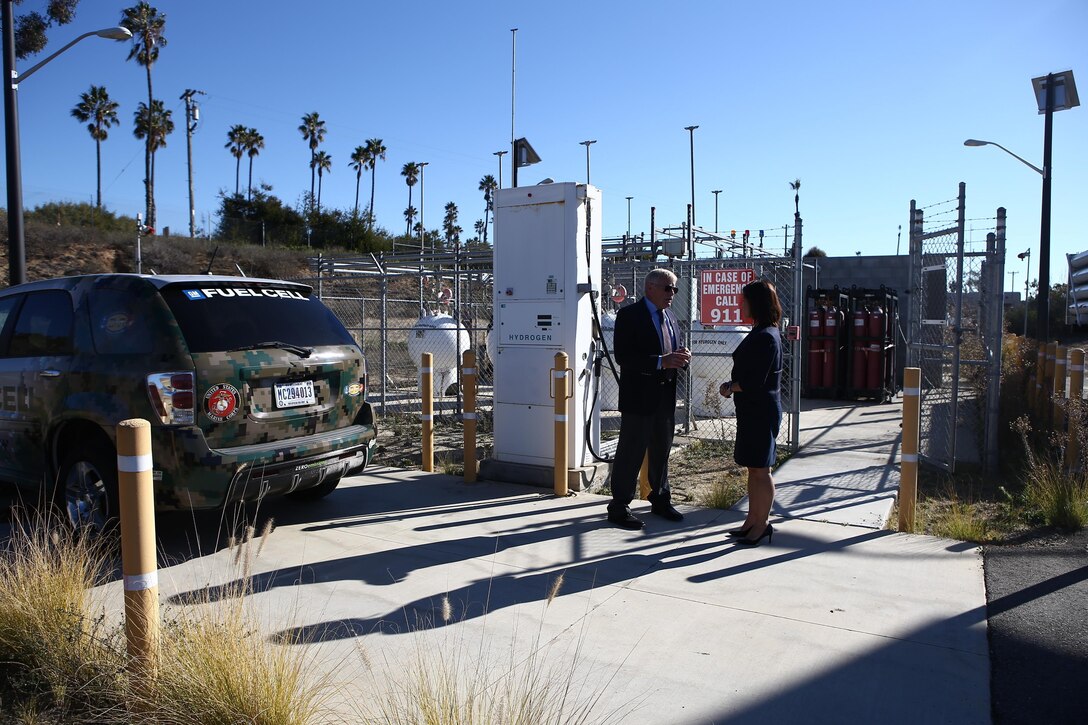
[
  {"x": 1043, "y": 299},
  {"x": 587, "y": 144},
  {"x": 16, "y": 240},
  {"x": 1053, "y": 92},
  {"x": 715, "y": 193},
  {"x": 422, "y": 231},
  {"x": 691, "y": 231},
  {"x": 500, "y": 155},
  {"x": 629, "y": 198},
  {"x": 1026, "y": 254},
  {"x": 976, "y": 142}
]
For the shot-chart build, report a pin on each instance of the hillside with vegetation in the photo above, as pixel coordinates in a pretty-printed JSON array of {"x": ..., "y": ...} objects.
[{"x": 65, "y": 239}]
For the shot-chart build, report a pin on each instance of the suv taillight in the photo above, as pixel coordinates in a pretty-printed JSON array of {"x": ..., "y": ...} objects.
[{"x": 172, "y": 397}]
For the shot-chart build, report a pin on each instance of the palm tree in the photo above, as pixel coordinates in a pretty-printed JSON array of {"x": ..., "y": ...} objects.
[
  {"x": 449, "y": 227},
  {"x": 313, "y": 131},
  {"x": 375, "y": 150},
  {"x": 410, "y": 172},
  {"x": 154, "y": 124},
  {"x": 322, "y": 163},
  {"x": 254, "y": 142},
  {"x": 488, "y": 186},
  {"x": 796, "y": 186},
  {"x": 99, "y": 113},
  {"x": 360, "y": 159},
  {"x": 409, "y": 215},
  {"x": 146, "y": 25},
  {"x": 236, "y": 144}
]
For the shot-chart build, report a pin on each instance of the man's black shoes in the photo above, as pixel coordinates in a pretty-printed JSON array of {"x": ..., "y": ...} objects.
[
  {"x": 626, "y": 520},
  {"x": 666, "y": 511}
]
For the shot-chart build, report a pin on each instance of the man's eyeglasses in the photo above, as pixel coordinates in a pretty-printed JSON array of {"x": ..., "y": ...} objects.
[{"x": 668, "y": 287}]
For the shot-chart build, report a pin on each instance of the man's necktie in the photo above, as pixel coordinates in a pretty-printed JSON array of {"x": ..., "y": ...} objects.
[{"x": 666, "y": 336}]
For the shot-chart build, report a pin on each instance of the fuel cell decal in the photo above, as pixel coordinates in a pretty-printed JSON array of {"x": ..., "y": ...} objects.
[{"x": 221, "y": 402}]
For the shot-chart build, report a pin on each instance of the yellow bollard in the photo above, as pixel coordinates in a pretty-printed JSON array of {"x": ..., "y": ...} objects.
[
  {"x": 1076, "y": 392},
  {"x": 644, "y": 478},
  {"x": 468, "y": 413},
  {"x": 1059, "y": 388},
  {"x": 562, "y": 393},
  {"x": 426, "y": 391},
  {"x": 138, "y": 563},
  {"x": 908, "y": 474}
]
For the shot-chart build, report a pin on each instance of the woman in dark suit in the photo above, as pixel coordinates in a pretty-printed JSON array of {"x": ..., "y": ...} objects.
[{"x": 757, "y": 378}]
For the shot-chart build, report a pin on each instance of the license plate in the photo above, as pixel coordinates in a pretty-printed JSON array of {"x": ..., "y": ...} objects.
[{"x": 292, "y": 395}]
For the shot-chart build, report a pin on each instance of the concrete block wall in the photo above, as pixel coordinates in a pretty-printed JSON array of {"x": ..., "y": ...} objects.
[{"x": 869, "y": 272}]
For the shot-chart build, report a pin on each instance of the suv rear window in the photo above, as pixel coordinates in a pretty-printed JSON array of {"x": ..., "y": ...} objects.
[{"x": 225, "y": 317}]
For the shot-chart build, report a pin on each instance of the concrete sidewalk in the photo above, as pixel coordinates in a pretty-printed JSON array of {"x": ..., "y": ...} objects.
[{"x": 834, "y": 622}]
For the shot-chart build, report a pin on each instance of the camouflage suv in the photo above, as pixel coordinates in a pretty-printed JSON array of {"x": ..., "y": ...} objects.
[{"x": 252, "y": 387}]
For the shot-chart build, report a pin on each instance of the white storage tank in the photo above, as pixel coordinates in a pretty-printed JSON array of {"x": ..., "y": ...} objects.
[
  {"x": 711, "y": 365},
  {"x": 489, "y": 345},
  {"x": 609, "y": 391},
  {"x": 446, "y": 340}
]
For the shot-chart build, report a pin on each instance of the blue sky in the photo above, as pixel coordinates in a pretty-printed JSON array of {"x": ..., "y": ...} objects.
[{"x": 867, "y": 103}]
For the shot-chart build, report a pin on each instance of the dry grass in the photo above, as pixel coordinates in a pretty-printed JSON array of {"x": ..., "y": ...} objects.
[
  {"x": 59, "y": 663},
  {"x": 1036, "y": 485},
  {"x": 216, "y": 666},
  {"x": 723, "y": 492},
  {"x": 448, "y": 681},
  {"x": 1056, "y": 489}
]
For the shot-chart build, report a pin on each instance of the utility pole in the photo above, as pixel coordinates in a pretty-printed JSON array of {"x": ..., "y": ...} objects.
[
  {"x": 715, "y": 193},
  {"x": 192, "y": 117},
  {"x": 500, "y": 155}
]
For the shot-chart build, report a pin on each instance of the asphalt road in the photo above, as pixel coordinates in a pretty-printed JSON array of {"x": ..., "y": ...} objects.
[{"x": 1037, "y": 607}]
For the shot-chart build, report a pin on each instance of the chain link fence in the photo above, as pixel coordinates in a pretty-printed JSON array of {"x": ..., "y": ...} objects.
[
  {"x": 701, "y": 409},
  {"x": 955, "y": 333},
  {"x": 397, "y": 306}
]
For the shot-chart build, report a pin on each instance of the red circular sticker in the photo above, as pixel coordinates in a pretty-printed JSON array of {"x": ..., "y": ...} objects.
[{"x": 221, "y": 402}]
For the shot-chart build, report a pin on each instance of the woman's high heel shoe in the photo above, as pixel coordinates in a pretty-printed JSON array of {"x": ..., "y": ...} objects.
[
  {"x": 767, "y": 532},
  {"x": 740, "y": 532}
]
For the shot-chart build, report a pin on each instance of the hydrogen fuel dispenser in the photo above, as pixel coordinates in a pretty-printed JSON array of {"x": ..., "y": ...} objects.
[{"x": 547, "y": 266}]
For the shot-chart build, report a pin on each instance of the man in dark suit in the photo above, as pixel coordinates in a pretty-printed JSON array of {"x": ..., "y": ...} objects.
[{"x": 649, "y": 351}]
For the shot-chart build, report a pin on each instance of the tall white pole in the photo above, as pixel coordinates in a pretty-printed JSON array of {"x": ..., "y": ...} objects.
[{"x": 513, "y": 75}]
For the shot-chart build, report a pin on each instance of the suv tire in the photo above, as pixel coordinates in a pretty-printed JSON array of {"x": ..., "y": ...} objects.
[{"x": 87, "y": 488}]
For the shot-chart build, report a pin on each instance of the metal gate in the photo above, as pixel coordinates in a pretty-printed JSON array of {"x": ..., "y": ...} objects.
[{"x": 955, "y": 326}]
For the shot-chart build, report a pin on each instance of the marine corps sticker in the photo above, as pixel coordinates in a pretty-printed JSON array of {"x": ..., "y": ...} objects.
[{"x": 221, "y": 402}]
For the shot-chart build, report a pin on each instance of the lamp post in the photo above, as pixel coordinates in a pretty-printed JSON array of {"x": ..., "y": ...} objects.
[
  {"x": 500, "y": 155},
  {"x": 1053, "y": 92},
  {"x": 16, "y": 240},
  {"x": 691, "y": 230},
  {"x": 587, "y": 144},
  {"x": 422, "y": 231},
  {"x": 1026, "y": 254},
  {"x": 629, "y": 216},
  {"x": 715, "y": 193}
]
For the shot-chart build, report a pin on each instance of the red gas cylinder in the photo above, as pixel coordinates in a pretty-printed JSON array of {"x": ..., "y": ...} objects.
[
  {"x": 816, "y": 347},
  {"x": 877, "y": 323},
  {"x": 859, "y": 348},
  {"x": 874, "y": 372},
  {"x": 831, "y": 346}
]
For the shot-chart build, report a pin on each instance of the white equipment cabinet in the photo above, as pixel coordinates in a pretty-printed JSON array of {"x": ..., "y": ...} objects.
[{"x": 547, "y": 252}]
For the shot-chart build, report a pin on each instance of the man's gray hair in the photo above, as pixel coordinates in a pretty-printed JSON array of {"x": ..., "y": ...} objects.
[{"x": 661, "y": 276}]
